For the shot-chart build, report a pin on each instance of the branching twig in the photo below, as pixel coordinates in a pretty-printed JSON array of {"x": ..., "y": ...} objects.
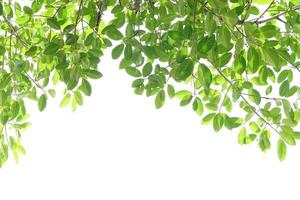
[
  {"x": 262, "y": 14},
  {"x": 247, "y": 102},
  {"x": 276, "y": 16}
]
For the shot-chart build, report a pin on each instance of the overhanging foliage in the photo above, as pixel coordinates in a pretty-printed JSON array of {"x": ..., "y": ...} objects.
[{"x": 239, "y": 56}]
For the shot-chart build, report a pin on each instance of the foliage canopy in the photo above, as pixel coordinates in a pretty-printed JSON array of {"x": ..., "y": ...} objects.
[{"x": 232, "y": 61}]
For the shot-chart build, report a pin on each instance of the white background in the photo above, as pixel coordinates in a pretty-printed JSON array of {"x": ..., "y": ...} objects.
[{"x": 118, "y": 146}]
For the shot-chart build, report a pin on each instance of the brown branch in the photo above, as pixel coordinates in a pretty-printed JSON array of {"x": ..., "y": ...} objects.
[{"x": 101, "y": 6}]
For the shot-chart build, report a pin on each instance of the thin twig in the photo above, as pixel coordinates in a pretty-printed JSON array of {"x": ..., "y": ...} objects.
[
  {"x": 262, "y": 14},
  {"x": 247, "y": 102},
  {"x": 276, "y": 16}
]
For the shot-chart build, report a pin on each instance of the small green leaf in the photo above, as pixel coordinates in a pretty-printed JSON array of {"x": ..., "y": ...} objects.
[
  {"x": 65, "y": 101},
  {"x": 281, "y": 150},
  {"x": 223, "y": 60},
  {"x": 86, "y": 87},
  {"x": 93, "y": 74},
  {"x": 53, "y": 23},
  {"x": 117, "y": 51},
  {"x": 15, "y": 108},
  {"x": 242, "y": 137},
  {"x": 133, "y": 71},
  {"x": 284, "y": 88},
  {"x": 128, "y": 52},
  {"x": 198, "y": 106},
  {"x": 147, "y": 69},
  {"x": 175, "y": 35},
  {"x": 171, "y": 91},
  {"x": 52, "y": 92},
  {"x": 205, "y": 76},
  {"x": 113, "y": 33},
  {"x": 160, "y": 99},
  {"x": 78, "y": 97},
  {"x": 183, "y": 71},
  {"x": 71, "y": 39},
  {"x": 1, "y": 8},
  {"x": 51, "y": 48},
  {"x": 218, "y": 122},
  {"x": 287, "y": 137},
  {"x": 208, "y": 118},
  {"x": 42, "y": 102},
  {"x": 186, "y": 100},
  {"x": 271, "y": 56}
]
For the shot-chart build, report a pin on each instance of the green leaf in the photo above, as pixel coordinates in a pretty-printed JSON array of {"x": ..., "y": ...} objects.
[
  {"x": 113, "y": 33},
  {"x": 42, "y": 102},
  {"x": 225, "y": 36},
  {"x": 128, "y": 52},
  {"x": 269, "y": 30},
  {"x": 71, "y": 39},
  {"x": 223, "y": 60},
  {"x": 4, "y": 80},
  {"x": 93, "y": 74},
  {"x": 133, "y": 71},
  {"x": 284, "y": 88},
  {"x": 271, "y": 56},
  {"x": 78, "y": 97},
  {"x": 287, "y": 108},
  {"x": 205, "y": 76},
  {"x": 86, "y": 87},
  {"x": 218, "y": 122},
  {"x": 51, "y": 48},
  {"x": 206, "y": 44},
  {"x": 232, "y": 122},
  {"x": 62, "y": 65},
  {"x": 176, "y": 35},
  {"x": 31, "y": 51},
  {"x": 186, "y": 100},
  {"x": 15, "y": 109},
  {"x": 184, "y": 70},
  {"x": 198, "y": 106},
  {"x": 208, "y": 118},
  {"x": 239, "y": 64},
  {"x": 117, "y": 51},
  {"x": 210, "y": 23},
  {"x": 253, "y": 59},
  {"x": 183, "y": 93},
  {"x": 53, "y": 23},
  {"x": 147, "y": 69},
  {"x": 52, "y": 92},
  {"x": 171, "y": 91},
  {"x": 160, "y": 99},
  {"x": 281, "y": 150},
  {"x": 2, "y": 50},
  {"x": 65, "y": 101},
  {"x": 287, "y": 137},
  {"x": 254, "y": 96},
  {"x": 242, "y": 137},
  {"x": 149, "y": 51},
  {"x": 1, "y": 9}
]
